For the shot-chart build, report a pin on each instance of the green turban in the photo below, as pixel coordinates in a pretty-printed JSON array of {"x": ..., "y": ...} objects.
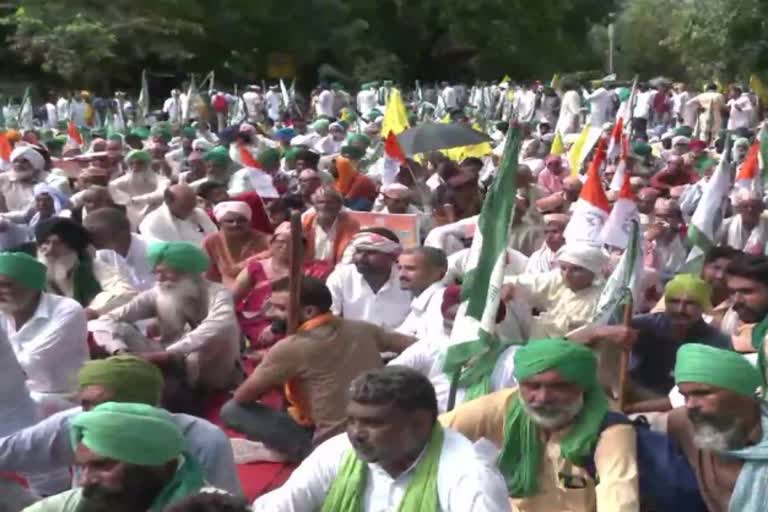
[
  {"x": 129, "y": 378},
  {"x": 162, "y": 130},
  {"x": 99, "y": 133},
  {"x": 138, "y": 154},
  {"x": 359, "y": 139},
  {"x": 218, "y": 155},
  {"x": 115, "y": 136},
  {"x": 292, "y": 153},
  {"x": 181, "y": 256},
  {"x": 716, "y": 367},
  {"x": 137, "y": 434},
  {"x": 24, "y": 269},
  {"x": 320, "y": 125},
  {"x": 684, "y": 131},
  {"x": 141, "y": 132},
  {"x": 691, "y": 286},
  {"x": 56, "y": 142},
  {"x": 188, "y": 132},
  {"x": 61, "y": 126},
  {"x": 352, "y": 152},
  {"x": 269, "y": 157},
  {"x": 641, "y": 148},
  {"x": 523, "y": 449},
  {"x": 374, "y": 113}
]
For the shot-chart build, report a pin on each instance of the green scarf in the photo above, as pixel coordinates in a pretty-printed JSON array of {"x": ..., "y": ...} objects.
[
  {"x": 346, "y": 492},
  {"x": 758, "y": 339},
  {"x": 475, "y": 360},
  {"x": 187, "y": 481},
  {"x": 86, "y": 286},
  {"x": 522, "y": 452}
]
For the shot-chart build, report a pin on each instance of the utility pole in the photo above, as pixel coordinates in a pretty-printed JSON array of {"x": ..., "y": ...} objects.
[{"x": 611, "y": 17}]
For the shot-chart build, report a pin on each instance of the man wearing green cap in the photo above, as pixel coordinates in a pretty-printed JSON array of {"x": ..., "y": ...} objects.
[
  {"x": 46, "y": 332},
  {"x": 549, "y": 428},
  {"x": 723, "y": 428},
  {"x": 259, "y": 180},
  {"x": 132, "y": 458},
  {"x": 140, "y": 189},
  {"x": 125, "y": 379},
  {"x": 219, "y": 164},
  {"x": 199, "y": 344}
]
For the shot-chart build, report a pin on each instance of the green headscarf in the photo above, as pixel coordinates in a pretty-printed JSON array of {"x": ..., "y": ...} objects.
[
  {"x": 141, "y": 132},
  {"x": 685, "y": 131},
  {"x": 188, "y": 132},
  {"x": 129, "y": 378},
  {"x": 347, "y": 490},
  {"x": 692, "y": 286},
  {"x": 292, "y": 153},
  {"x": 352, "y": 152},
  {"x": 140, "y": 435},
  {"x": 181, "y": 256},
  {"x": 359, "y": 139},
  {"x": 320, "y": 125},
  {"x": 641, "y": 149},
  {"x": 24, "y": 269},
  {"x": 269, "y": 157},
  {"x": 218, "y": 155},
  {"x": 759, "y": 333},
  {"x": 717, "y": 367},
  {"x": 521, "y": 455},
  {"x": 138, "y": 154}
]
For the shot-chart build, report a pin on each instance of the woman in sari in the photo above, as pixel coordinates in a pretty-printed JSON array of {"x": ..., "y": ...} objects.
[
  {"x": 253, "y": 287},
  {"x": 359, "y": 191},
  {"x": 237, "y": 241}
]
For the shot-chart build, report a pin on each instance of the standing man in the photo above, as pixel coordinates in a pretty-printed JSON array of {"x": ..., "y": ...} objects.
[
  {"x": 366, "y": 99},
  {"x": 324, "y": 103},
  {"x": 740, "y": 109},
  {"x": 254, "y": 104},
  {"x": 173, "y": 107},
  {"x": 570, "y": 111},
  {"x": 274, "y": 102},
  {"x": 449, "y": 97}
]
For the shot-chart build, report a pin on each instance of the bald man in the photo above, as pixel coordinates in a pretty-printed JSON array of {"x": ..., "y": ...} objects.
[{"x": 178, "y": 219}]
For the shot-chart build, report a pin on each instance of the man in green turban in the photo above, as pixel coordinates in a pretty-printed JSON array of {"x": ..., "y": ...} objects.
[
  {"x": 141, "y": 188},
  {"x": 723, "y": 428},
  {"x": 394, "y": 445},
  {"x": 199, "y": 345},
  {"x": 132, "y": 458},
  {"x": 549, "y": 432},
  {"x": 124, "y": 379}
]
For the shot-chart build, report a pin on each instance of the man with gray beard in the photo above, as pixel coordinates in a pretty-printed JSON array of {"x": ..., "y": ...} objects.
[
  {"x": 140, "y": 189},
  {"x": 723, "y": 428},
  {"x": 198, "y": 342}
]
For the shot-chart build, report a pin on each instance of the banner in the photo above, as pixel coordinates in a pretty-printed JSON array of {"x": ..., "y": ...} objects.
[{"x": 405, "y": 226}]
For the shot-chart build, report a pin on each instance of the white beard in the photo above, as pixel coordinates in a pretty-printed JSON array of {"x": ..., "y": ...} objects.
[
  {"x": 59, "y": 271},
  {"x": 557, "y": 420},
  {"x": 142, "y": 179},
  {"x": 179, "y": 303}
]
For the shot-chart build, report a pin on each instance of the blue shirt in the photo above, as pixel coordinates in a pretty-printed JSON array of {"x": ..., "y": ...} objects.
[{"x": 653, "y": 357}]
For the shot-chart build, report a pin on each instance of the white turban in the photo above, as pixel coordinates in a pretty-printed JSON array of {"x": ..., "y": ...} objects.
[
  {"x": 744, "y": 194},
  {"x": 681, "y": 139},
  {"x": 29, "y": 154},
  {"x": 336, "y": 125},
  {"x": 560, "y": 218},
  {"x": 396, "y": 190},
  {"x": 581, "y": 255},
  {"x": 375, "y": 242},
  {"x": 238, "y": 207}
]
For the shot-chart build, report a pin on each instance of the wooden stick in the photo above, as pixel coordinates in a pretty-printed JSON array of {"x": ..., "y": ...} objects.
[
  {"x": 295, "y": 275},
  {"x": 624, "y": 359}
]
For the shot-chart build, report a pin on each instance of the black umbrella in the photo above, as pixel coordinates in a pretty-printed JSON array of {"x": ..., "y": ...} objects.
[{"x": 435, "y": 136}]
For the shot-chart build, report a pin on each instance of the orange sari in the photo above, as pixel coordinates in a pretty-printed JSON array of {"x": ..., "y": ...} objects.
[{"x": 226, "y": 266}]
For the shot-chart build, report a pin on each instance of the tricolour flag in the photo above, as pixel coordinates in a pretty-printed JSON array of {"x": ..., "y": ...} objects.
[
  {"x": 395, "y": 115},
  {"x": 247, "y": 159},
  {"x": 475, "y": 344},
  {"x": 751, "y": 174},
  {"x": 591, "y": 210},
  {"x": 5, "y": 152},
  {"x": 709, "y": 212},
  {"x": 618, "y": 227},
  {"x": 614, "y": 143},
  {"x": 621, "y": 168},
  {"x": 393, "y": 158},
  {"x": 74, "y": 139}
]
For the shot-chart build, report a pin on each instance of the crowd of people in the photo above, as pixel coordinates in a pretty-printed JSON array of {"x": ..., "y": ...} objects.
[{"x": 147, "y": 281}]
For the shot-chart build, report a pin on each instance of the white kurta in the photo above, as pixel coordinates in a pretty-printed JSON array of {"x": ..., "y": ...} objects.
[
  {"x": 465, "y": 482},
  {"x": 425, "y": 321},
  {"x": 162, "y": 226},
  {"x": 139, "y": 196}
]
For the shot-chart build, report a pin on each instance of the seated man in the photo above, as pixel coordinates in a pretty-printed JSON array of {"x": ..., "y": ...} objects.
[
  {"x": 664, "y": 249},
  {"x": 747, "y": 279},
  {"x": 722, "y": 428},
  {"x": 421, "y": 272},
  {"x": 429, "y": 356},
  {"x": 47, "y": 445},
  {"x": 315, "y": 367},
  {"x": 328, "y": 229},
  {"x": 369, "y": 288},
  {"x": 199, "y": 342},
  {"x": 747, "y": 229},
  {"x": 549, "y": 428},
  {"x": 394, "y": 456},
  {"x": 133, "y": 458},
  {"x": 178, "y": 219},
  {"x": 141, "y": 188},
  {"x": 109, "y": 228},
  {"x": 48, "y": 333},
  {"x": 566, "y": 297},
  {"x": 99, "y": 281},
  {"x": 544, "y": 259}
]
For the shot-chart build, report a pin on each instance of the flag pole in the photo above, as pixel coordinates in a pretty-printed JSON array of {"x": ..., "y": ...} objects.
[
  {"x": 624, "y": 359},
  {"x": 295, "y": 275}
]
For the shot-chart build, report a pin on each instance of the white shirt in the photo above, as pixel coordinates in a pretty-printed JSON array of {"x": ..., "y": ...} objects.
[
  {"x": 162, "y": 226},
  {"x": 173, "y": 107},
  {"x": 52, "y": 345},
  {"x": 427, "y": 356},
  {"x": 136, "y": 258},
  {"x": 601, "y": 104},
  {"x": 52, "y": 115},
  {"x": 643, "y": 104},
  {"x": 525, "y": 104},
  {"x": 77, "y": 112},
  {"x": 425, "y": 320},
  {"x": 324, "y": 241},
  {"x": 740, "y": 118},
  {"x": 366, "y": 101},
  {"x": 17, "y": 410},
  {"x": 274, "y": 100},
  {"x": 353, "y": 298},
  {"x": 465, "y": 482},
  {"x": 449, "y": 98},
  {"x": 324, "y": 105},
  {"x": 253, "y": 103},
  {"x": 249, "y": 179},
  {"x": 62, "y": 109}
]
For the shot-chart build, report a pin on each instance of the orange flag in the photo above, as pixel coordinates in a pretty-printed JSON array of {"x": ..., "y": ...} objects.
[{"x": 247, "y": 160}]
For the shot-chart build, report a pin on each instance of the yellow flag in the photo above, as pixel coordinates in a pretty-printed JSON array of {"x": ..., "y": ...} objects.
[
  {"x": 505, "y": 79},
  {"x": 758, "y": 86},
  {"x": 395, "y": 115},
  {"x": 557, "y": 145},
  {"x": 574, "y": 155}
]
